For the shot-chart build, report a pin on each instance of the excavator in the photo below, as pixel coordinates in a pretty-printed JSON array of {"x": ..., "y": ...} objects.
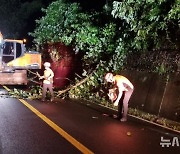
[{"x": 15, "y": 61}]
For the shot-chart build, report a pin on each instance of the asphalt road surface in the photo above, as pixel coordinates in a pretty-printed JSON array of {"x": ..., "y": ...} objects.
[{"x": 74, "y": 127}]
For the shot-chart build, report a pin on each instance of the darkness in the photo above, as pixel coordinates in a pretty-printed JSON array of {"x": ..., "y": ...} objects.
[
  {"x": 25, "y": 22},
  {"x": 32, "y": 21}
]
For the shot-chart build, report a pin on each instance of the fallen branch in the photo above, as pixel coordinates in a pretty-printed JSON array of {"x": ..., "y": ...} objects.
[
  {"x": 34, "y": 81},
  {"x": 64, "y": 78},
  {"x": 76, "y": 85},
  {"x": 72, "y": 87},
  {"x": 32, "y": 72}
]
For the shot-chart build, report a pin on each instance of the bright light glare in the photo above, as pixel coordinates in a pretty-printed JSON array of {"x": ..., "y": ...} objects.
[
  {"x": 24, "y": 40},
  {"x": 1, "y": 37}
]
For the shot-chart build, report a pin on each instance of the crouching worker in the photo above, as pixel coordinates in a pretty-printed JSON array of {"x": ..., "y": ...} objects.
[
  {"x": 124, "y": 91},
  {"x": 48, "y": 81}
]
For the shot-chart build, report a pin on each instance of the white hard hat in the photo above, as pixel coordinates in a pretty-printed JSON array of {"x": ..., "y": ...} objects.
[
  {"x": 47, "y": 64},
  {"x": 108, "y": 76}
]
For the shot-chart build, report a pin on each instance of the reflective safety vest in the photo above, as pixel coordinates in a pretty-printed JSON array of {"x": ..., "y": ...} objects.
[{"x": 48, "y": 76}]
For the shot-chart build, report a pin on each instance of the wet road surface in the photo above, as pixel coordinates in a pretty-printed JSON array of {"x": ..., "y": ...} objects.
[{"x": 23, "y": 132}]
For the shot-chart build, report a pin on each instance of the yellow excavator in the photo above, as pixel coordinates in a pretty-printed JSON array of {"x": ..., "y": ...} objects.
[{"x": 15, "y": 60}]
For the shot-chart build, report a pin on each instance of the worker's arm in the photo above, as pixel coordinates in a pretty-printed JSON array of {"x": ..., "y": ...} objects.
[
  {"x": 40, "y": 77},
  {"x": 118, "y": 98},
  {"x": 121, "y": 88}
]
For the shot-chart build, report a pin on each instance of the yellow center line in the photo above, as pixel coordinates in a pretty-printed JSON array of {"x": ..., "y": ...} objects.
[{"x": 59, "y": 130}]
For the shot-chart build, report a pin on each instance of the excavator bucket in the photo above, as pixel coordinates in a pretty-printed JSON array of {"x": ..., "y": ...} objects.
[{"x": 18, "y": 77}]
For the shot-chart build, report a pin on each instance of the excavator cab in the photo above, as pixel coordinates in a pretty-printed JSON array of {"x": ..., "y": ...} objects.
[{"x": 10, "y": 50}]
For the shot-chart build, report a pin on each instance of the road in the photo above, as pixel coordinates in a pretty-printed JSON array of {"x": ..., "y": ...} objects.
[{"x": 74, "y": 127}]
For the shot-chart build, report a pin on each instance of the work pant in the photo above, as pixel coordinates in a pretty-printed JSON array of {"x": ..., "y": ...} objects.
[
  {"x": 45, "y": 87},
  {"x": 123, "y": 104}
]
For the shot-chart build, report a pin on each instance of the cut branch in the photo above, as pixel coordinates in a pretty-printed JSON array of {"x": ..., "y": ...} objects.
[
  {"x": 72, "y": 87},
  {"x": 77, "y": 84}
]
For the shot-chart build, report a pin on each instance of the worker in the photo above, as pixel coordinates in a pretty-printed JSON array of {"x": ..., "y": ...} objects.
[
  {"x": 48, "y": 81},
  {"x": 124, "y": 91}
]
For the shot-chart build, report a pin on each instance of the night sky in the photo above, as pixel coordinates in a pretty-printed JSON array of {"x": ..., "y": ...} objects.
[{"x": 25, "y": 23}]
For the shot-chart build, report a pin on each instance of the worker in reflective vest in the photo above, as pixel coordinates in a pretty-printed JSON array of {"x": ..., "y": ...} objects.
[
  {"x": 124, "y": 91},
  {"x": 48, "y": 81}
]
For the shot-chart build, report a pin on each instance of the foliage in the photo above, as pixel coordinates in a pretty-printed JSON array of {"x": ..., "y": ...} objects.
[
  {"x": 55, "y": 55},
  {"x": 147, "y": 23},
  {"x": 93, "y": 89},
  {"x": 58, "y": 23},
  {"x": 138, "y": 25},
  {"x": 159, "y": 61},
  {"x": 35, "y": 92},
  {"x": 65, "y": 22},
  {"x": 154, "y": 119}
]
